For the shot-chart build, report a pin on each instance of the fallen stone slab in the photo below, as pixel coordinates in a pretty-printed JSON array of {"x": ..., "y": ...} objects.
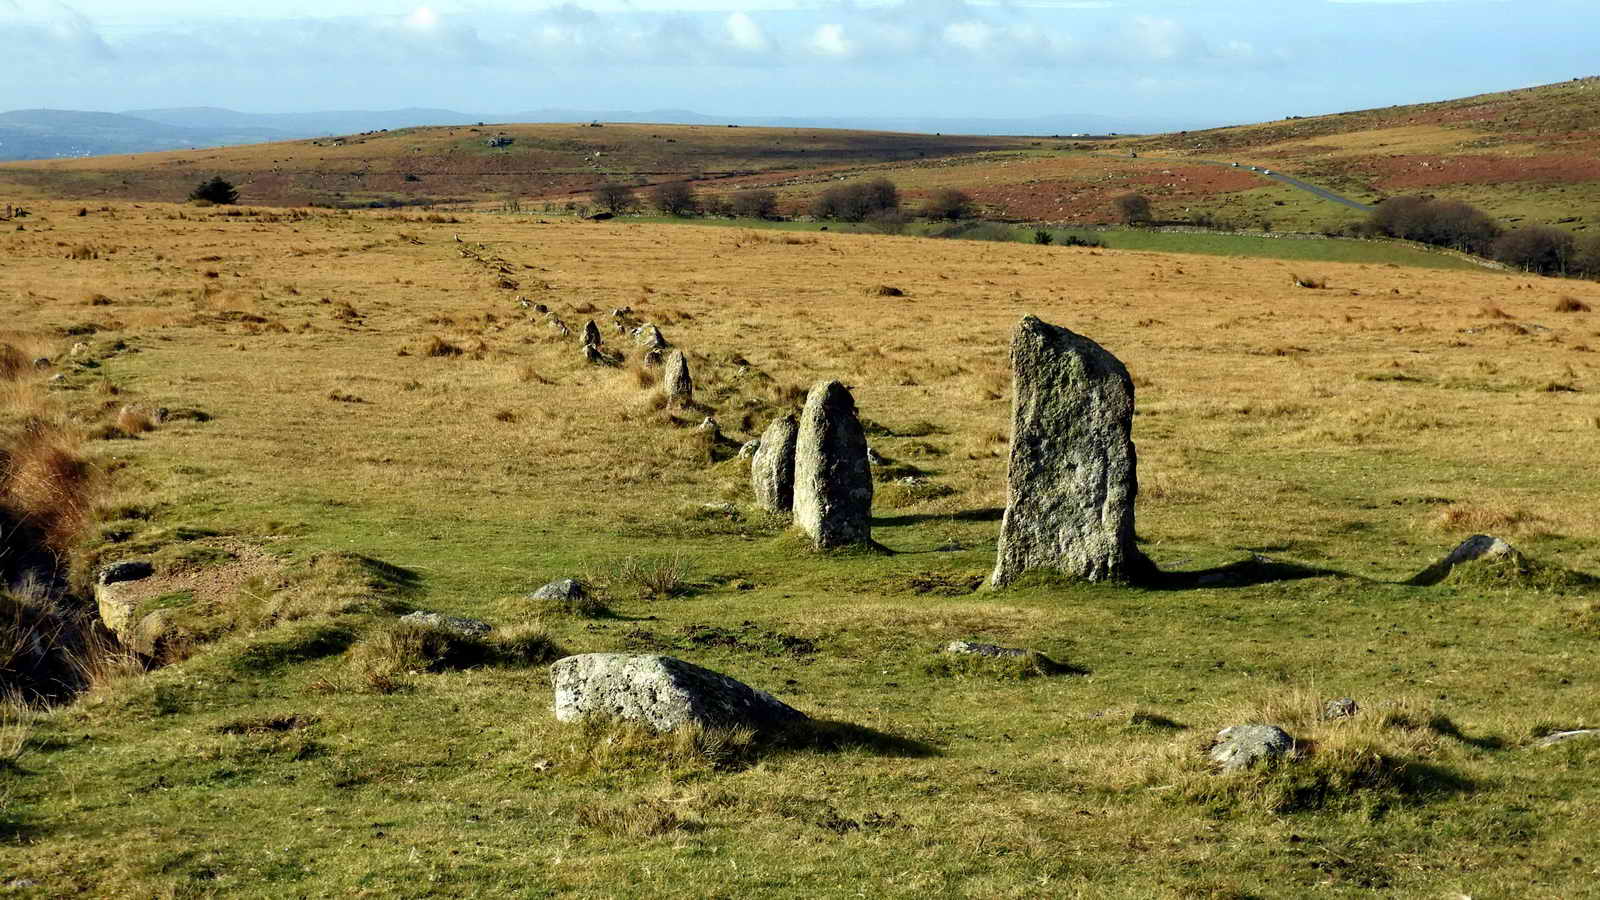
[
  {"x": 460, "y": 625},
  {"x": 661, "y": 692},
  {"x": 1561, "y": 737},
  {"x": 975, "y": 649},
  {"x": 1239, "y": 747}
]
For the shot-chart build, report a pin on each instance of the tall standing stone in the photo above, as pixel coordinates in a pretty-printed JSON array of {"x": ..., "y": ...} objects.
[
  {"x": 772, "y": 467},
  {"x": 676, "y": 382},
  {"x": 832, "y": 480},
  {"x": 591, "y": 334},
  {"x": 1073, "y": 475}
]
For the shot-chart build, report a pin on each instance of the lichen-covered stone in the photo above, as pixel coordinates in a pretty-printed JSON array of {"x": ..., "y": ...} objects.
[
  {"x": 1242, "y": 746},
  {"x": 458, "y": 624},
  {"x": 772, "y": 466},
  {"x": 1072, "y": 475},
  {"x": 1477, "y": 548},
  {"x": 675, "y": 380},
  {"x": 832, "y": 480},
  {"x": 972, "y": 648},
  {"x": 661, "y": 692}
]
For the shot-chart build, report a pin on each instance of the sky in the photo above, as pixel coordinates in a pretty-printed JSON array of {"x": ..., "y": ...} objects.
[{"x": 1180, "y": 64}]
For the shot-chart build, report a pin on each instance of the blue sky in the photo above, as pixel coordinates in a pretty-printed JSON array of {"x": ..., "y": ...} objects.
[{"x": 1181, "y": 63}]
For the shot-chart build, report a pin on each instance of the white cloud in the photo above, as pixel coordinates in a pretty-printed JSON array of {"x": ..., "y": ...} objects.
[
  {"x": 423, "y": 19},
  {"x": 829, "y": 40},
  {"x": 975, "y": 37},
  {"x": 744, "y": 34}
]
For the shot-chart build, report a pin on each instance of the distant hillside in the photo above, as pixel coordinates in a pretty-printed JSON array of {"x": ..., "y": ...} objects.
[{"x": 55, "y": 133}]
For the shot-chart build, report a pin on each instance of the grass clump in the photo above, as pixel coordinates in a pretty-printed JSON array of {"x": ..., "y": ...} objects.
[
  {"x": 649, "y": 576},
  {"x": 1571, "y": 305},
  {"x": 634, "y": 818},
  {"x": 905, "y": 492},
  {"x": 407, "y": 648},
  {"x": 603, "y": 747},
  {"x": 1394, "y": 755}
]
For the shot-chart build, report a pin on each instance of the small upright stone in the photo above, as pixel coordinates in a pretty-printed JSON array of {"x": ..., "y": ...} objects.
[
  {"x": 1340, "y": 708},
  {"x": 772, "y": 466},
  {"x": 676, "y": 382},
  {"x": 832, "y": 480},
  {"x": 591, "y": 355},
  {"x": 1072, "y": 476},
  {"x": 652, "y": 358},
  {"x": 591, "y": 334}
]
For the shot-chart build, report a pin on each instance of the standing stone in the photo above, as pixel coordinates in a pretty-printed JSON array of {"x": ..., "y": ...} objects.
[
  {"x": 591, "y": 334},
  {"x": 652, "y": 338},
  {"x": 772, "y": 467},
  {"x": 832, "y": 480},
  {"x": 1073, "y": 475},
  {"x": 676, "y": 382}
]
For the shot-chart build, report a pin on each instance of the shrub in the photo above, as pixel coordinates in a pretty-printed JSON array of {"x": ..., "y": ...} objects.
[
  {"x": 675, "y": 198},
  {"x": 615, "y": 198},
  {"x": 1586, "y": 257},
  {"x": 217, "y": 190},
  {"x": 948, "y": 203},
  {"x": 1043, "y": 238},
  {"x": 1536, "y": 248},
  {"x": 855, "y": 202},
  {"x": 1134, "y": 209},
  {"x": 1442, "y": 223},
  {"x": 755, "y": 203}
]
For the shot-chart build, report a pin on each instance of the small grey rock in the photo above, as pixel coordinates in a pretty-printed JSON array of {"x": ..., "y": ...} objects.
[
  {"x": 458, "y": 624},
  {"x": 565, "y": 590},
  {"x": 748, "y": 448},
  {"x": 592, "y": 355},
  {"x": 1242, "y": 746},
  {"x": 1340, "y": 708},
  {"x": 1561, "y": 737},
  {"x": 130, "y": 570},
  {"x": 42, "y": 362},
  {"x": 976, "y": 649},
  {"x": 709, "y": 426},
  {"x": 58, "y": 378},
  {"x": 661, "y": 692}
]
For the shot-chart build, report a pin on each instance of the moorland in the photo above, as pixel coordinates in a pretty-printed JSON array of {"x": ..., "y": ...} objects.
[{"x": 364, "y": 416}]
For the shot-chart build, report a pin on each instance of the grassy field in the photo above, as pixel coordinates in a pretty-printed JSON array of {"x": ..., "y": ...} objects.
[{"x": 373, "y": 424}]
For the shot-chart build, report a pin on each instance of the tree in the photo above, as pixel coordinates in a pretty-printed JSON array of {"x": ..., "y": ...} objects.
[
  {"x": 674, "y": 198},
  {"x": 217, "y": 190},
  {"x": 1586, "y": 257},
  {"x": 1133, "y": 208},
  {"x": 855, "y": 202},
  {"x": 1536, "y": 248},
  {"x": 948, "y": 203},
  {"x": 615, "y": 197},
  {"x": 756, "y": 203}
]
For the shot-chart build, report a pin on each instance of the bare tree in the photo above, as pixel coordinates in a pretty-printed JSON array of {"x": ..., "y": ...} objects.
[
  {"x": 615, "y": 197},
  {"x": 948, "y": 203},
  {"x": 756, "y": 203},
  {"x": 1133, "y": 208},
  {"x": 674, "y": 198}
]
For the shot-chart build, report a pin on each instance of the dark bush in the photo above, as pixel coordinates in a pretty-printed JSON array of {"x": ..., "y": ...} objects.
[
  {"x": 217, "y": 190},
  {"x": 1586, "y": 257},
  {"x": 1134, "y": 209},
  {"x": 615, "y": 198},
  {"x": 948, "y": 203},
  {"x": 675, "y": 198},
  {"x": 755, "y": 203},
  {"x": 1536, "y": 248},
  {"x": 1442, "y": 223},
  {"x": 855, "y": 202}
]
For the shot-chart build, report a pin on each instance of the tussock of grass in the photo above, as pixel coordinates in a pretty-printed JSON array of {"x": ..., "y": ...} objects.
[
  {"x": 597, "y": 747},
  {"x": 634, "y": 818},
  {"x": 1395, "y": 755},
  {"x": 900, "y": 494},
  {"x": 1518, "y": 573},
  {"x": 402, "y": 649},
  {"x": 1488, "y": 519},
  {"x": 647, "y": 576},
  {"x": 1571, "y": 305}
]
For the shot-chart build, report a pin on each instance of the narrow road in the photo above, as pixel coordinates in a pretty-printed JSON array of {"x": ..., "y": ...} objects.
[{"x": 1290, "y": 180}]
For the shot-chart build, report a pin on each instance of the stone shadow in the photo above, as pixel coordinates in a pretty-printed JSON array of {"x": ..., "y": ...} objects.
[{"x": 1250, "y": 572}]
